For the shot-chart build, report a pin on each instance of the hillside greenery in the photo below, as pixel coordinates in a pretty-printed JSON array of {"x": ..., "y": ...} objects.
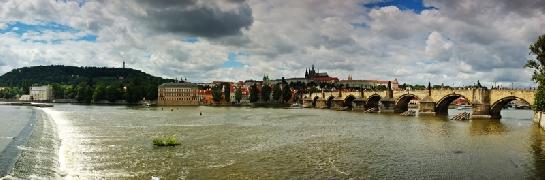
[{"x": 86, "y": 84}]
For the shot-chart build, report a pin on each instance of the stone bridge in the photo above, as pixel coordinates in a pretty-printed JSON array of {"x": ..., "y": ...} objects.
[{"x": 485, "y": 103}]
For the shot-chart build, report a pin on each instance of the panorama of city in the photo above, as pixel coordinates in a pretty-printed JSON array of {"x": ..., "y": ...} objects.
[{"x": 283, "y": 89}]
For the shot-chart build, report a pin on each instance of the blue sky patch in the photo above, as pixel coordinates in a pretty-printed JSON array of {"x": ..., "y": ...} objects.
[
  {"x": 232, "y": 61},
  {"x": 21, "y": 28},
  {"x": 360, "y": 25},
  {"x": 191, "y": 39},
  {"x": 416, "y": 6}
]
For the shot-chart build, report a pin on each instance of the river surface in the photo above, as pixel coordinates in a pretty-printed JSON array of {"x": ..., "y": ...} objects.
[{"x": 115, "y": 142}]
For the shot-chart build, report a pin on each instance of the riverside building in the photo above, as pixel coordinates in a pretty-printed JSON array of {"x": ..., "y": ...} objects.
[
  {"x": 41, "y": 93},
  {"x": 178, "y": 94}
]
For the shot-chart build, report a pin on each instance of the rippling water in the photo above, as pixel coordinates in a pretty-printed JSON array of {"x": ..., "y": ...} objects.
[{"x": 91, "y": 142}]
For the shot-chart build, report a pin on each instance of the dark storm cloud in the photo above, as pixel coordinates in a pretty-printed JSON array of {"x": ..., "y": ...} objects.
[{"x": 205, "y": 18}]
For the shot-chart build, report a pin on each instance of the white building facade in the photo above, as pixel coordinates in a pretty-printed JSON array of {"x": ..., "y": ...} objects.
[{"x": 41, "y": 93}]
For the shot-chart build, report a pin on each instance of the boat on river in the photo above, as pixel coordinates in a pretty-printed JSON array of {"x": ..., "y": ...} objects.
[{"x": 464, "y": 107}]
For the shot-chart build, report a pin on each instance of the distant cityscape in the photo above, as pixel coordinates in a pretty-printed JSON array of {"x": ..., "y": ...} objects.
[
  {"x": 187, "y": 93},
  {"x": 266, "y": 91}
]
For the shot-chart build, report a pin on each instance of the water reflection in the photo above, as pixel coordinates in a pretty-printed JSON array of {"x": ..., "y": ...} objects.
[
  {"x": 487, "y": 127},
  {"x": 538, "y": 151}
]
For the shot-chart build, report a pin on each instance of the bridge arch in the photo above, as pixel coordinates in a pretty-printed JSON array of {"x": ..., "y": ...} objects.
[
  {"x": 314, "y": 100},
  {"x": 372, "y": 101},
  {"x": 495, "y": 109},
  {"x": 443, "y": 103},
  {"x": 402, "y": 102},
  {"x": 348, "y": 101},
  {"x": 329, "y": 102}
]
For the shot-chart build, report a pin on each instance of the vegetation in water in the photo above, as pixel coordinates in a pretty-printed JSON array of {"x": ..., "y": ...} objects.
[{"x": 166, "y": 141}]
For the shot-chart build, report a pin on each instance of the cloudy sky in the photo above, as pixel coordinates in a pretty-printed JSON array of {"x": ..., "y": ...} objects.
[{"x": 443, "y": 41}]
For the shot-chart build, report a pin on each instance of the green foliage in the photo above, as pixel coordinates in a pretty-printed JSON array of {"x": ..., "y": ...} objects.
[
  {"x": 10, "y": 92},
  {"x": 82, "y": 82},
  {"x": 286, "y": 93},
  {"x": 99, "y": 93},
  {"x": 537, "y": 49},
  {"x": 277, "y": 92},
  {"x": 227, "y": 91},
  {"x": 238, "y": 94},
  {"x": 539, "y": 99},
  {"x": 166, "y": 141},
  {"x": 114, "y": 92},
  {"x": 216, "y": 93},
  {"x": 266, "y": 92},
  {"x": 254, "y": 93},
  {"x": 84, "y": 92}
]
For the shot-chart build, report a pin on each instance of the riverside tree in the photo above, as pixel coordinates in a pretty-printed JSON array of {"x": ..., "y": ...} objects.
[
  {"x": 286, "y": 93},
  {"x": 254, "y": 93},
  {"x": 238, "y": 94},
  {"x": 277, "y": 92},
  {"x": 265, "y": 92},
  {"x": 227, "y": 91},
  {"x": 537, "y": 50},
  {"x": 216, "y": 93}
]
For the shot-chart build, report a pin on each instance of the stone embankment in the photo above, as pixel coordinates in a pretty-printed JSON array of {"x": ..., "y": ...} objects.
[
  {"x": 464, "y": 116},
  {"x": 539, "y": 118},
  {"x": 409, "y": 113}
]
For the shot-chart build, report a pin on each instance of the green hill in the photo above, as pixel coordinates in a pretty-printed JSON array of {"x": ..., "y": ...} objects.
[
  {"x": 68, "y": 75},
  {"x": 87, "y": 84}
]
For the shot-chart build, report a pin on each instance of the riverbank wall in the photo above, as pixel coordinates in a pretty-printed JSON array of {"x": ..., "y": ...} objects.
[{"x": 539, "y": 118}]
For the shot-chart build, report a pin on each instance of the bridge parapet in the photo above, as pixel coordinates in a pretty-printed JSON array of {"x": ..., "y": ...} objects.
[{"x": 486, "y": 103}]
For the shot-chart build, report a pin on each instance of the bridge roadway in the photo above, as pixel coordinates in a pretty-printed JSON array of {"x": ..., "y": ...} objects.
[{"x": 486, "y": 103}]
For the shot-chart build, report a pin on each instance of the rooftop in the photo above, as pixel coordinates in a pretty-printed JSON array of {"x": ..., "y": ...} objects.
[{"x": 178, "y": 85}]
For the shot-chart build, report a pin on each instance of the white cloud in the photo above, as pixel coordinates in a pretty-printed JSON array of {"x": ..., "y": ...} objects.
[
  {"x": 450, "y": 44},
  {"x": 437, "y": 47}
]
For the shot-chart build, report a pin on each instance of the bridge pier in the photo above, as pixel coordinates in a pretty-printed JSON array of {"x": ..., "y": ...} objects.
[
  {"x": 481, "y": 111},
  {"x": 388, "y": 102},
  {"x": 481, "y": 104},
  {"x": 388, "y": 105},
  {"x": 426, "y": 106}
]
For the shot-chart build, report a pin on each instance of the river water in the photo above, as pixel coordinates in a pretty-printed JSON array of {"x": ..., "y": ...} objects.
[{"x": 95, "y": 142}]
